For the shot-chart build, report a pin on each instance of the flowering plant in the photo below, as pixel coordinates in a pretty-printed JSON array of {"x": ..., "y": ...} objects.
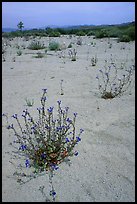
[
  {"x": 110, "y": 83},
  {"x": 47, "y": 142}
]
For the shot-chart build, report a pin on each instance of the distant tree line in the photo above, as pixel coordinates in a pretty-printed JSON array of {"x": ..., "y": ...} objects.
[{"x": 124, "y": 32}]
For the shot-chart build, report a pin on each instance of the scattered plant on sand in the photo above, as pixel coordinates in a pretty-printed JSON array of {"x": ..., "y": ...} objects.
[
  {"x": 70, "y": 45},
  {"x": 61, "y": 87},
  {"x": 72, "y": 54},
  {"x": 29, "y": 102},
  {"x": 36, "y": 45},
  {"x": 94, "y": 61},
  {"x": 19, "y": 52},
  {"x": 113, "y": 81},
  {"x": 79, "y": 41},
  {"x": 41, "y": 145},
  {"x": 54, "y": 46}
]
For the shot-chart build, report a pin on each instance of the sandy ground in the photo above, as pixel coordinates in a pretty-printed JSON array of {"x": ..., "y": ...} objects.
[{"x": 104, "y": 170}]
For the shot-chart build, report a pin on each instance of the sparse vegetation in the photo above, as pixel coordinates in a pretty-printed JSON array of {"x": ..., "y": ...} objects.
[
  {"x": 54, "y": 46},
  {"x": 72, "y": 54},
  {"x": 36, "y": 45},
  {"x": 111, "y": 83},
  {"x": 19, "y": 52}
]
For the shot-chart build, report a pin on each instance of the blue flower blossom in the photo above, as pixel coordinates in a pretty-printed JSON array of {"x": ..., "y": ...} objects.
[
  {"x": 76, "y": 153},
  {"x": 53, "y": 193},
  {"x": 59, "y": 128},
  {"x": 10, "y": 126},
  {"x": 75, "y": 114},
  {"x": 39, "y": 109},
  {"x": 22, "y": 147},
  {"x": 25, "y": 112},
  {"x": 27, "y": 163},
  {"x": 67, "y": 140},
  {"x": 43, "y": 155},
  {"x": 44, "y": 98},
  {"x": 14, "y": 116},
  {"x": 68, "y": 120},
  {"x": 78, "y": 139},
  {"x": 54, "y": 166},
  {"x": 24, "y": 116},
  {"x": 81, "y": 130},
  {"x": 66, "y": 109},
  {"x": 3, "y": 114},
  {"x": 50, "y": 109},
  {"x": 59, "y": 102},
  {"x": 44, "y": 90}
]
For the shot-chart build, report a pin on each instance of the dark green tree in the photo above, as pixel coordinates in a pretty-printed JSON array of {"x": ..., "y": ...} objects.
[{"x": 20, "y": 25}]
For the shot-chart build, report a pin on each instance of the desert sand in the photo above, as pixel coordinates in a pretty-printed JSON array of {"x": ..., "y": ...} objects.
[{"x": 104, "y": 170}]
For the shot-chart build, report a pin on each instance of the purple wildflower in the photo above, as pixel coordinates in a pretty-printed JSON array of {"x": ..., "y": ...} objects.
[
  {"x": 50, "y": 109},
  {"x": 75, "y": 114},
  {"x": 14, "y": 116},
  {"x": 27, "y": 163},
  {"x": 22, "y": 147},
  {"x": 44, "y": 90},
  {"x": 76, "y": 153},
  {"x": 10, "y": 126},
  {"x": 53, "y": 193},
  {"x": 54, "y": 166},
  {"x": 59, "y": 102},
  {"x": 68, "y": 120},
  {"x": 67, "y": 140},
  {"x": 66, "y": 109},
  {"x": 78, "y": 139},
  {"x": 81, "y": 130}
]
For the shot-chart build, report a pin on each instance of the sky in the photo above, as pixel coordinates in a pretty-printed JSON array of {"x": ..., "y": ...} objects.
[{"x": 43, "y": 14}]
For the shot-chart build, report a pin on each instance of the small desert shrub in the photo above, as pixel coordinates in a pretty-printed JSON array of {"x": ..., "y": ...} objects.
[
  {"x": 111, "y": 83},
  {"x": 19, "y": 52},
  {"x": 29, "y": 102},
  {"x": 17, "y": 46},
  {"x": 36, "y": 45},
  {"x": 54, "y": 46},
  {"x": 42, "y": 144},
  {"x": 124, "y": 38},
  {"x": 93, "y": 44},
  {"x": 72, "y": 54},
  {"x": 70, "y": 45},
  {"x": 3, "y": 49},
  {"x": 79, "y": 41},
  {"x": 110, "y": 45}
]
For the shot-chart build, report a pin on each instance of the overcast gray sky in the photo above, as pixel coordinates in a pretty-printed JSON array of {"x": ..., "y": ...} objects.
[{"x": 42, "y": 14}]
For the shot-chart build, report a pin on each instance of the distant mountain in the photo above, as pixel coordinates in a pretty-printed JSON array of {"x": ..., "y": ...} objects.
[
  {"x": 70, "y": 26},
  {"x": 8, "y": 29}
]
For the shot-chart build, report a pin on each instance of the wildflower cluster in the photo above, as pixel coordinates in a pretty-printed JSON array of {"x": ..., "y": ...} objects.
[
  {"x": 46, "y": 142},
  {"x": 110, "y": 84}
]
